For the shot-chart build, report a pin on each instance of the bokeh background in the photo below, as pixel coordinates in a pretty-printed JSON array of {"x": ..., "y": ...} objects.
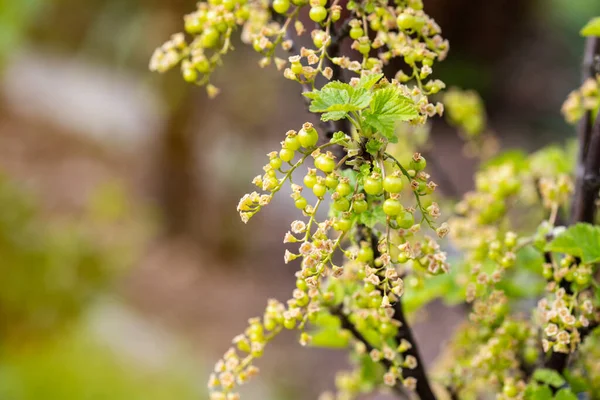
[{"x": 124, "y": 267}]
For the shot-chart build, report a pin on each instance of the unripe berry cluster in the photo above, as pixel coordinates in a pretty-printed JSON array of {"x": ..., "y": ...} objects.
[{"x": 586, "y": 98}]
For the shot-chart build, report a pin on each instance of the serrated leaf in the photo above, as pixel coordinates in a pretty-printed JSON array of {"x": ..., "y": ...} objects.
[
  {"x": 549, "y": 377},
  {"x": 337, "y": 99},
  {"x": 333, "y": 115},
  {"x": 592, "y": 28},
  {"x": 372, "y": 217},
  {"x": 565, "y": 394},
  {"x": 579, "y": 240},
  {"x": 388, "y": 107},
  {"x": 368, "y": 81},
  {"x": 373, "y": 146}
]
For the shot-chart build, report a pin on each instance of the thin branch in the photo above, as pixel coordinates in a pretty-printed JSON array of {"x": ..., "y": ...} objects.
[
  {"x": 582, "y": 209},
  {"x": 349, "y": 326},
  {"x": 587, "y": 183},
  {"x": 405, "y": 332}
]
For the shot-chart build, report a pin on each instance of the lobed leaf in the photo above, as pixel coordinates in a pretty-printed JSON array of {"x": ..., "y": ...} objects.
[
  {"x": 579, "y": 240},
  {"x": 388, "y": 107}
]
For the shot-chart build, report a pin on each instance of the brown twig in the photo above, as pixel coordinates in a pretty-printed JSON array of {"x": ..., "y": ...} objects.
[
  {"x": 349, "y": 326},
  {"x": 588, "y": 175},
  {"x": 583, "y": 207}
]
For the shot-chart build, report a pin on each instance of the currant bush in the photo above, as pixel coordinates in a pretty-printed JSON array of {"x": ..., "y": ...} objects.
[{"x": 377, "y": 255}]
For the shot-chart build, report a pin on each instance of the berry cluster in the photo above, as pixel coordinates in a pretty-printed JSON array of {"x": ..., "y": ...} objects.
[{"x": 586, "y": 98}]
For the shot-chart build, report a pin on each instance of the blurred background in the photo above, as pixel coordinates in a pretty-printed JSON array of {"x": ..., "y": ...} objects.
[{"x": 124, "y": 268}]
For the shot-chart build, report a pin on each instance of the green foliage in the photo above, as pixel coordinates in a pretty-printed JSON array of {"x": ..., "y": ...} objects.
[
  {"x": 337, "y": 99},
  {"x": 389, "y": 107},
  {"x": 77, "y": 365},
  {"x": 380, "y": 247},
  {"x": 49, "y": 272},
  {"x": 579, "y": 240},
  {"x": 592, "y": 28},
  {"x": 549, "y": 377}
]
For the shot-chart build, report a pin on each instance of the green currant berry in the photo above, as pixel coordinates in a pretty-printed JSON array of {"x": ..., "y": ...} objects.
[
  {"x": 387, "y": 329},
  {"x": 331, "y": 181},
  {"x": 410, "y": 58},
  {"x": 365, "y": 254},
  {"x": 405, "y": 21},
  {"x": 375, "y": 24},
  {"x": 403, "y": 257},
  {"x": 289, "y": 323},
  {"x": 342, "y": 225},
  {"x": 364, "y": 47},
  {"x": 193, "y": 25},
  {"x": 375, "y": 302},
  {"x": 190, "y": 75},
  {"x": 393, "y": 184},
  {"x": 303, "y": 301},
  {"x": 373, "y": 186},
  {"x": 356, "y": 32},
  {"x": 308, "y": 136},
  {"x": 582, "y": 279},
  {"x": 209, "y": 38},
  {"x": 310, "y": 180},
  {"x": 510, "y": 390},
  {"x": 335, "y": 14},
  {"x": 325, "y": 163},
  {"x": 418, "y": 165},
  {"x": 360, "y": 206},
  {"x": 318, "y": 14},
  {"x": 405, "y": 219},
  {"x": 300, "y": 203},
  {"x": 256, "y": 46},
  {"x": 270, "y": 324},
  {"x": 392, "y": 207},
  {"x": 343, "y": 188},
  {"x": 286, "y": 155},
  {"x": 319, "y": 190},
  {"x": 318, "y": 39},
  {"x": 229, "y": 4},
  {"x": 297, "y": 67},
  {"x": 244, "y": 346},
  {"x": 202, "y": 65},
  {"x": 341, "y": 204},
  {"x": 243, "y": 13},
  {"x": 301, "y": 284},
  {"x": 291, "y": 143},
  {"x": 275, "y": 162},
  {"x": 281, "y": 6}
]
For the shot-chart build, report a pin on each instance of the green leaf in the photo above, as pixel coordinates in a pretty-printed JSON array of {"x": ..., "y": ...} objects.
[
  {"x": 539, "y": 393},
  {"x": 579, "y": 240},
  {"x": 549, "y": 377},
  {"x": 592, "y": 28},
  {"x": 370, "y": 218},
  {"x": 367, "y": 81},
  {"x": 337, "y": 99},
  {"x": 329, "y": 339},
  {"x": 373, "y": 146},
  {"x": 576, "y": 381},
  {"x": 565, "y": 394},
  {"x": 389, "y": 107}
]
